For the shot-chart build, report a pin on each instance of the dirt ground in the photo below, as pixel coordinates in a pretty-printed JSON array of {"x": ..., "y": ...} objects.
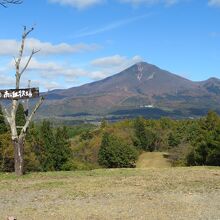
[
  {"x": 153, "y": 193},
  {"x": 153, "y": 160}
]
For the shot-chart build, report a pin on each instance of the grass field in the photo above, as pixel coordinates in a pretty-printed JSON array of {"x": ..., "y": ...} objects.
[
  {"x": 154, "y": 194},
  {"x": 152, "y": 160}
]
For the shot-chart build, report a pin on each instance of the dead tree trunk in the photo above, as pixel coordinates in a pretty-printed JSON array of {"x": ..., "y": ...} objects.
[
  {"x": 19, "y": 156},
  {"x": 19, "y": 139}
]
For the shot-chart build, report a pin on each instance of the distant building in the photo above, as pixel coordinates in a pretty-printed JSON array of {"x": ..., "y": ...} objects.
[{"x": 147, "y": 106}]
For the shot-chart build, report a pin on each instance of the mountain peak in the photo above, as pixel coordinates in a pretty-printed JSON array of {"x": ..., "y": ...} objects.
[
  {"x": 212, "y": 79},
  {"x": 143, "y": 64},
  {"x": 142, "y": 84}
]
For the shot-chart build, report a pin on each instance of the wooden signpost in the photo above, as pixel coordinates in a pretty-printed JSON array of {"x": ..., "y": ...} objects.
[
  {"x": 14, "y": 96},
  {"x": 19, "y": 93}
]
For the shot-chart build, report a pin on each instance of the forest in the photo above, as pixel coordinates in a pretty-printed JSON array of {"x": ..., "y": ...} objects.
[{"x": 52, "y": 147}]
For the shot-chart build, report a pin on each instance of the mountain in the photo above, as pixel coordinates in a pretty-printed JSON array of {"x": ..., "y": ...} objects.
[{"x": 141, "y": 87}]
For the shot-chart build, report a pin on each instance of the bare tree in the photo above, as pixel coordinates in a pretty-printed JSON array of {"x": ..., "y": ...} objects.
[
  {"x": 5, "y": 3},
  {"x": 10, "y": 114}
]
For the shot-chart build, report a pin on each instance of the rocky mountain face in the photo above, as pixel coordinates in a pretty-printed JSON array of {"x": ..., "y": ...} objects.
[{"x": 142, "y": 86}]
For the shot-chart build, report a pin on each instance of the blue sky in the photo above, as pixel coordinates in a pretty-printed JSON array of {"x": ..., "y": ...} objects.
[{"x": 85, "y": 40}]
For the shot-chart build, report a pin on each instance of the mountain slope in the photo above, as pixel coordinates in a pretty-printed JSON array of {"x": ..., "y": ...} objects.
[
  {"x": 140, "y": 86},
  {"x": 140, "y": 78}
]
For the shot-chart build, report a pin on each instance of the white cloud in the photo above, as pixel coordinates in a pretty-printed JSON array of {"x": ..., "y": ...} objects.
[
  {"x": 10, "y": 47},
  {"x": 115, "y": 61},
  {"x": 80, "y": 4},
  {"x": 150, "y": 2},
  {"x": 98, "y": 69},
  {"x": 215, "y": 34},
  {"x": 6, "y": 81},
  {"x": 106, "y": 62},
  {"x": 52, "y": 75},
  {"x": 49, "y": 85},
  {"x": 214, "y": 2},
  {"x": 113, "y": 64},
  {"x": 111, "y": 26},
  {"x": 48, "y": 71}
]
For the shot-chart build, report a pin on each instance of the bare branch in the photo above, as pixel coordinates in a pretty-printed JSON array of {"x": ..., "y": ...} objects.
[
  {"x": 28, "y": 32},
  {"x": 4, "y": 3},
  {"x": 24, "y": 129},
  {"x": 21, "y": 51},
  {"x": 29, "y": 59},
  {"x": 24, "y": 36}
]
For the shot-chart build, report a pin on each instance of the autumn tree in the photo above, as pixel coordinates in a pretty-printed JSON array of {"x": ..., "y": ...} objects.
[{"x": 18, "y": 136}]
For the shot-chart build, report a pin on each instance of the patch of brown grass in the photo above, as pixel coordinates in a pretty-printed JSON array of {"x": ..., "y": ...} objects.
[
  {"x": 168, "y": 193},
  {"x": 152, "y": 160}
]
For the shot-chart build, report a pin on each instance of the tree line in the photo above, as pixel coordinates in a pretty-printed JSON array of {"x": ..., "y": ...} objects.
[
  {"x": 52, "y": 148},
  {"x": 188, "y": 142}
]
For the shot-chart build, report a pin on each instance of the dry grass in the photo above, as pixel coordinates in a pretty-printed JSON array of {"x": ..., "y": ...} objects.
[
  {"x": 152, "y": 159},
  {"x": 168, "y": 193}
]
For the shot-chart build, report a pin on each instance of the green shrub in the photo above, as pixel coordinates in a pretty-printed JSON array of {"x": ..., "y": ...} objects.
[
  {"x": 77, "y": 165},
  {"x": 115, "y": 153}
]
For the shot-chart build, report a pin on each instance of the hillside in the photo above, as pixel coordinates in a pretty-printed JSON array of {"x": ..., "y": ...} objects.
[
  {"x": 156, "y": 194},
  {"x": 138, "y": 88}
]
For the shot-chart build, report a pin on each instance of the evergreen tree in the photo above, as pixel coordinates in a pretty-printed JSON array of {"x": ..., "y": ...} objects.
[
  {"x": 48, "y": 149},
  {"x": 115, "y": 153},
  {"x": 104, "y": 152},
  {"x": 6, "y": 153},
  {"x": 211, "y": 122},
  {"x": 104, "y": 123},
  {"x": 20, "y": 117},
  {"x": 3, "y": 126},
  {"x": 63, "y": 151},
  {"x": 206, "y": 148},
  {"x": 173, "y": 139},
  {"x": 145, "y": 138},
  {"x": 140, "y": 133}
]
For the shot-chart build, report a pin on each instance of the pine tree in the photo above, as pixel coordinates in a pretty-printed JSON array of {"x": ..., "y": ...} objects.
[
  {"x": 49, "y": 146},
  {"x": 140, "y": 133},
  {"x": 206, "y": 149},
  {"x": 145, "y": 137},
  {"x": 63, "y": 151},
  {"x": 104, "y": 152},
  {"x": 20, "y": 117}
]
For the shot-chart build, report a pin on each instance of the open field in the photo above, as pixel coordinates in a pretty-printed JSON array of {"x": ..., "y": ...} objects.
[
  {"x": 154, "y": 194},
  {"x": 152, "y": 159}
]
